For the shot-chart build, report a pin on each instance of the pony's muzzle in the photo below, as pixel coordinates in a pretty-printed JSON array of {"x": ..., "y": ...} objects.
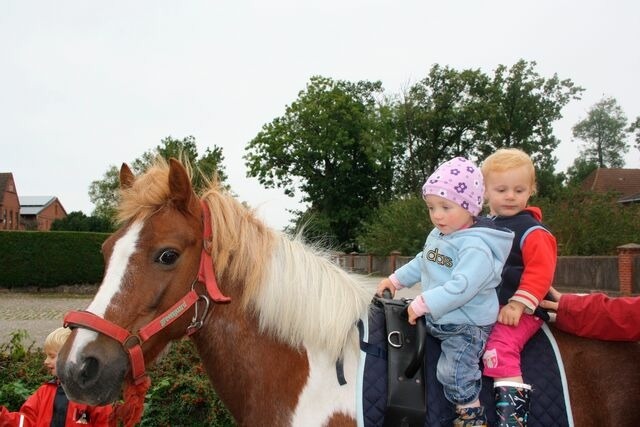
[
  {"x": 93, "y": 378},
  {"x": 87, "y": 374}
]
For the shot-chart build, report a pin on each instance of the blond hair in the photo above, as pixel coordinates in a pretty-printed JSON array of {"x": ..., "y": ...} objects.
[
  {"x": 56, "y": 339},
  {"x": 506, "y": 159}
]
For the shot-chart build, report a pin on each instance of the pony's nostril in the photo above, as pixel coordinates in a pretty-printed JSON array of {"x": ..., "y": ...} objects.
[{"x": 88, "y": 372}]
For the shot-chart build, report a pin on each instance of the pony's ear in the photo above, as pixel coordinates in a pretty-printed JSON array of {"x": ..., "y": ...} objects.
[
  {"x": 126, "y": 176},
  {"x": 180, "y": 186}
]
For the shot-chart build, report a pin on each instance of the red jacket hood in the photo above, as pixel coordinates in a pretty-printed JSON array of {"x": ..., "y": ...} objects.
[{"x": 535, "y": 211}]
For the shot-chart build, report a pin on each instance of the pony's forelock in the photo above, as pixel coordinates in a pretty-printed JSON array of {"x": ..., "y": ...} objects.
[{"x": 148, "y": 192}]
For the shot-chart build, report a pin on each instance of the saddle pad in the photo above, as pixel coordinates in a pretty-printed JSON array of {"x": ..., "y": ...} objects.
[
  {"x": 372, "y": 375},
  {"x": 541, "y": 369}
]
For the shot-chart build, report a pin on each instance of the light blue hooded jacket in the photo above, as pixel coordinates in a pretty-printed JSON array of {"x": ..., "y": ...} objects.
[{"x": 459, "y": 273}]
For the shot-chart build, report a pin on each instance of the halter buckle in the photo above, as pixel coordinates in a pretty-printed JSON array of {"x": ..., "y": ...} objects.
[
  {"x": 128, "y": 342},
  {"x": 198, "y": 319}
]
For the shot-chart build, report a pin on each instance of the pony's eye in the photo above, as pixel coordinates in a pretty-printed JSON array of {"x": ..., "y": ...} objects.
[{"x": 167, "y": 257}]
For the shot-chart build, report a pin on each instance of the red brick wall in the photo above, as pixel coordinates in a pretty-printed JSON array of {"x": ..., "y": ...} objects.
[
  {"x": 10, "y": 208},
  {"x": 49, "y": 214},
  {"x": 626, "y": 255}
]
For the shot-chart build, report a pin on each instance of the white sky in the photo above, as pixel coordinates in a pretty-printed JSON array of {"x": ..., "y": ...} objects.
[{"x": 85, "y": 85}]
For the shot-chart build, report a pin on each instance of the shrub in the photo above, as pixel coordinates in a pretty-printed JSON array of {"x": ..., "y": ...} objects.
[
  {"x": 584, "y": 224},
  {"x": 401, "y": 225},
  {"x": 180, "y": 392},
  {"x": 21, "y": 370},
  {"x": 589, "y": 223}
]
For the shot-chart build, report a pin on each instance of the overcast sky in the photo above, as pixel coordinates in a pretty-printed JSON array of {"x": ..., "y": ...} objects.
[{"x": 85, "y": 85}]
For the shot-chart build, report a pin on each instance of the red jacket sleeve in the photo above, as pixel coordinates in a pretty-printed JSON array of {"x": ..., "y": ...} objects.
[
  {"x": 599, "y": 316},
  {"x": 539, "y": 254},
  {"x": 33, "y": 410},
  {"x": 9, "y": 419}
]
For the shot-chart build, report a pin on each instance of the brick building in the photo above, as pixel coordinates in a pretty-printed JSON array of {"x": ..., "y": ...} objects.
[
  {"x": 9, "y": 203},
  {"x": 39, "y": 212},
  {"x": 26, "y": 212}
]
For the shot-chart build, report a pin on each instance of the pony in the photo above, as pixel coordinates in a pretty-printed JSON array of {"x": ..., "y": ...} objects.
[{"x": 273, "y": 319}]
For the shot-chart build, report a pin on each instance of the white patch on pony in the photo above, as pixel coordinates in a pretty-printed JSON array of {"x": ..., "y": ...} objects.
[
  {"x": 323, "y": 396},
  {"x": 118, "y": 263},
  {"x": 319, "y": 314}
]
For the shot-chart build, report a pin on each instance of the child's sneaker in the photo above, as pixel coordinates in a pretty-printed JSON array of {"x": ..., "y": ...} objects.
[{"x": 468, "y": 417}]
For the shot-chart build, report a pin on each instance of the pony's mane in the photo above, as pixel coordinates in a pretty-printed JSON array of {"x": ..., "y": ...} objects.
[
  {"x": 297, "y": 293},
  {"x": 322, "y": 303}
]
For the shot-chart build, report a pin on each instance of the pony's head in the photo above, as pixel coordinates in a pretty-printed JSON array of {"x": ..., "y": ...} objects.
[
  {"x": 150, "y": 262},
  {"x": 288, "y": 300}
]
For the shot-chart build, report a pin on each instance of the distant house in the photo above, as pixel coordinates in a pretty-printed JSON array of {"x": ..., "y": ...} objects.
[
  {"x": 625, "y": 182},
  {"x": 39, "y": 212},
  {"x": 9, "y": 203}
]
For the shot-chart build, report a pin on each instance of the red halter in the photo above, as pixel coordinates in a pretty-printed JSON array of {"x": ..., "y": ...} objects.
[{"x": 132, "y": 342}]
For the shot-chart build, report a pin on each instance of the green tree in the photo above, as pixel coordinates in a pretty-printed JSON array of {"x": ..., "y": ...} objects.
[
  {"x": 604, "y": 133},
  {"x": 438, "y": 118},
  {"x": 400, "y": 225},
  {"x": 78, "y": 221},
  {"x": 469, "y": 113},
  {"x": 634, "y": 128},
  {"x": 206, "y": 166},
  {"x": 521, "y": 111},
  {"x": 333, "y": 145},
  {"x": 587, "y": 223},
  {"x": 104, "y": 193},
  {"x": 548, "y": 183},
  {"x": 580, "y": 170}
]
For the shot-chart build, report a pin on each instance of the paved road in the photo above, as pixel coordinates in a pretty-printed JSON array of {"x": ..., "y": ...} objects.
[
  {"x": 36, "y": 313},
  {"x": 40, "y": 313}
]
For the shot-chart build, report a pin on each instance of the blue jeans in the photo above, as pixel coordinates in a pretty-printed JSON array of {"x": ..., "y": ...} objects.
[{"x": 458, "y": 366}]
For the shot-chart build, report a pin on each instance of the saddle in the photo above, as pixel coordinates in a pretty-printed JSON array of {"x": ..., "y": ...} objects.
[
  {"x": 406, "y": 403},
  {"x": 390, "y": 393}
]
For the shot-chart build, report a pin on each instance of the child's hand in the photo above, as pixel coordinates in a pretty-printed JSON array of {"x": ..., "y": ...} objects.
[
  {"x": 385, "y": 284},
  {"x": 412, "y": 315},
  {"x": 510, "y": 314}
]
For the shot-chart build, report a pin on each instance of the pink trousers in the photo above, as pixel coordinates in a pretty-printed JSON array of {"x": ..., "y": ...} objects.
[{"x": 501, "y": 358}]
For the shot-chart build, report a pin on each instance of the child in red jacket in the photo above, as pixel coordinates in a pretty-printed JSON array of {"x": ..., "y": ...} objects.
[
  {"x": 49, "y": 405},
  {"x": 510, "y": 180}
]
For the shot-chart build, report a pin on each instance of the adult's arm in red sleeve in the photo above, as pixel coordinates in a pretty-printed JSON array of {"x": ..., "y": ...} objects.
[{"x": 599, "y": 316}]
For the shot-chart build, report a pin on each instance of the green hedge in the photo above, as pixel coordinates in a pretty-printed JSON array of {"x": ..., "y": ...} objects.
[{"x": 49, "y": 259}]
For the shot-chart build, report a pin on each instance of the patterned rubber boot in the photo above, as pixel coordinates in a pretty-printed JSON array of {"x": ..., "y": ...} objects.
[
  {"x": 512, "y": 403},
  {"x": 468, "y": 417}
]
